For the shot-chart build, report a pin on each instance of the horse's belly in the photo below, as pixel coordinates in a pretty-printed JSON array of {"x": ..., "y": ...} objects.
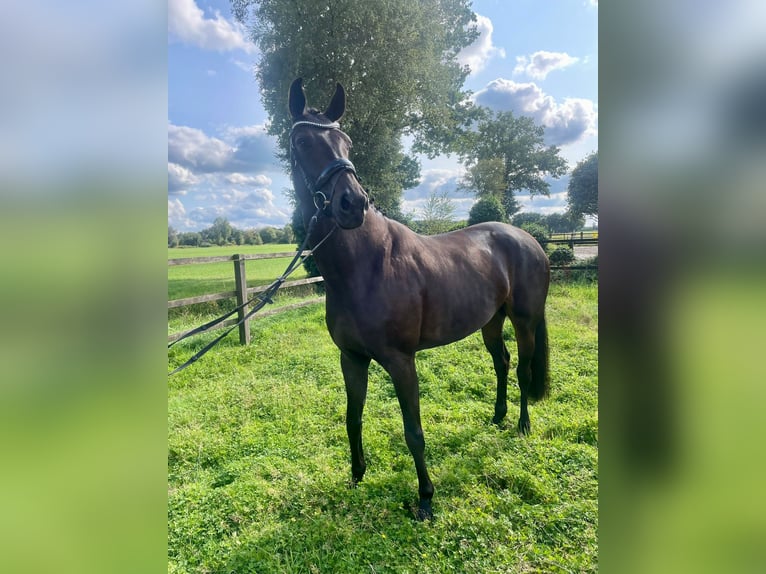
[{"x": 452, "y": 322}]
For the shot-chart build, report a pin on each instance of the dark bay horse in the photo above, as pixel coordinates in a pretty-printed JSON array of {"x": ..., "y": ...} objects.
[{"x": 391, "y": 292}]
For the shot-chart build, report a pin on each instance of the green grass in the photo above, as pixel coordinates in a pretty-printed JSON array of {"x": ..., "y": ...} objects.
[
  {"x": 258, "y": 460},
  {"x": 204, "y": 278}
]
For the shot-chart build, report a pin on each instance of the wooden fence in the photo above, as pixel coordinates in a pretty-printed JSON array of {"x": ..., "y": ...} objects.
[{"x": 242, "y": 291}]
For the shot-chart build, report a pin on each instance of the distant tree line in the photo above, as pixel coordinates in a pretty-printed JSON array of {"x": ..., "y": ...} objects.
[
  {"x": 224, "y": 233},
  {"x": 491, "y": 210}
]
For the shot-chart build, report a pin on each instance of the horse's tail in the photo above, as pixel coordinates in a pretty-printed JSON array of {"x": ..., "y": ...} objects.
[{"x": 540, "y": 370}]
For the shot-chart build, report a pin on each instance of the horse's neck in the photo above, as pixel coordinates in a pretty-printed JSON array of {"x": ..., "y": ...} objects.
[{"x": 349, "y": 253}]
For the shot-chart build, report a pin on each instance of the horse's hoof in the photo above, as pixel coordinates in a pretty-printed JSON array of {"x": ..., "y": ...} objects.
[
  {"x": 424, "y": 511},
  {"x": 524, "y": 427},
  {"x": 355, "y": 479},
  {"x": 498, "y": 419}
]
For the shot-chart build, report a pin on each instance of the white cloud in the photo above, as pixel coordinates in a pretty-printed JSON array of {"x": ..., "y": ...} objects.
[
  {"x": 241, "y": 179},
  {"x": 187, "y": 24},
  {"x": 244, "y": 66},
  {"x": 180, "y": 179},
  {"x": 193, "y": 149},
  {"x": 435, "y": 180},
  {"x": 478, "y": 54},
  {"x": 244, "y": 210},
  {"x": 177, "y": 216},
  {"x": 247, "y": 149},
  {"x": 542, "y": 63},
  {"x": 565, "y": 122},
  {"x": 223, "y": 176}
]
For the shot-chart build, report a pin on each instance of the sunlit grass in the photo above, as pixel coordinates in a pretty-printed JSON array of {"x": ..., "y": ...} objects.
[
  {"x": 204, "y": 278},
  {"x": 258, "y": 458}
]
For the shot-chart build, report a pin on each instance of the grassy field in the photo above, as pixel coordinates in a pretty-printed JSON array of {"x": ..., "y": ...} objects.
[
  {"x": 192, "y": 280},
  {"x": 258, "y": 461}
]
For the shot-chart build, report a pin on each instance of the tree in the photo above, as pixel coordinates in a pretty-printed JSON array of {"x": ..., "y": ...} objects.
[
  {"x": 252, "y": 237},
  {"x": 172, "y": 237},
  {"x": 486, "y": 209},
  {"x": 438, "y": 212},
  {"x": 520, "y": 219},
  {"x": 487, "y": 178},
  {"x": 397, "y": 61},
  {"x": 582, "y": 191},
  {"x": 287, "y": 235},
  {"x": 506, "y": 154},
  {"x": 220, "y": 233},
  {"x": 191, "y": 238},
  {"x": 269, "y": 234},
  {"x": 564, "y": 222},
  {"x": 538, "y": 231}
]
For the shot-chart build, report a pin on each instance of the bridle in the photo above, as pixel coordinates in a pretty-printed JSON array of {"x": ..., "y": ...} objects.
[{"x": 321, "y": 201}]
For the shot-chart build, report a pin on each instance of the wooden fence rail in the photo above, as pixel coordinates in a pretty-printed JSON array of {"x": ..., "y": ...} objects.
[{"x": 241, "y": 291}]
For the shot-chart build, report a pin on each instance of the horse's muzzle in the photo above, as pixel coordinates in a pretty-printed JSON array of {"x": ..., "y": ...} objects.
[{"x": 350, "y": 207}]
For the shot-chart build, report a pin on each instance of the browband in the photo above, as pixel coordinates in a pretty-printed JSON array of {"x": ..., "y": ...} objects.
[{"x": 332, "y": 126}]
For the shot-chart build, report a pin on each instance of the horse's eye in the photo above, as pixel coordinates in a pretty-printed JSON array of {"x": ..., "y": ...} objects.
[{"x": 302, "y": 142}]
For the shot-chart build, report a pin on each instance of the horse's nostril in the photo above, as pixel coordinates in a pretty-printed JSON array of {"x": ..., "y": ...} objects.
[{"x": 345, "y": 203}]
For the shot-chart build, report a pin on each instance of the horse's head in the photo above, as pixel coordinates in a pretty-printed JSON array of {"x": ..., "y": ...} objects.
[{"x": 319, "y": 150}]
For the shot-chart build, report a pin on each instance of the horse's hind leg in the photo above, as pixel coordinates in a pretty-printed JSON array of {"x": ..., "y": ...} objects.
[
  {"x": 492, "y": 333},
  {"x": 355, "y": 374},
  {"x": 525, "y": 340}
]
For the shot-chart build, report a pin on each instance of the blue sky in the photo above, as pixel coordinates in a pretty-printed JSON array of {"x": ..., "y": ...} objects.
[{"x": 534, "y": 57}]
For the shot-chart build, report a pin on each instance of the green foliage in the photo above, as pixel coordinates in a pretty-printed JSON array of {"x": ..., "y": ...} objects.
[
  {"x": 554, "y": 222},
  {"x": 220, "y": 233},
  {"x": 561, "y": 255},
  {"x": 437, "y": 214},
  {"x": 269, "y": 234},
  {"x": 252, "y": 237},
  {"x": 538, "y": 231},
  {"x": 521, "y": 219},
  {"x": 190, "y": 238},
  {"x": 486, "y": 177},
  {"x": 505, "y": 155},
  {"x": 258, "y": 457},
  {"x": 223, "y": 233},
  {"x": 582, "y": 192},
  {"x": 564, "y": 222},
  {"x": 172, "y": 237},
  {"x": 486, "y": 209},
  {"x": 397, "y": 61}
]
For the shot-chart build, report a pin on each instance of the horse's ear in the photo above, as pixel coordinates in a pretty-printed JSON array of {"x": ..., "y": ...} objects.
[
  {"x": 297, "y": 99},
  {"x": 337, "y": 104}
]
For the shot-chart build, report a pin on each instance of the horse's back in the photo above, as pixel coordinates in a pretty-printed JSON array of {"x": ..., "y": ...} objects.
[
  {"x": 520, "y": 259},
  {"x": 514, "y": 246}
]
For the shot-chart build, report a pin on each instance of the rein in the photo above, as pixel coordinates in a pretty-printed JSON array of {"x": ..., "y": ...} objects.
[{"x": 321, "y": 202}]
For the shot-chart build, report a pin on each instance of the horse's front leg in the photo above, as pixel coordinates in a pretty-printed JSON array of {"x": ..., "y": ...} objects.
[
  {"x": 355, "y": 371},
  {"x": 405, "y": 379}
]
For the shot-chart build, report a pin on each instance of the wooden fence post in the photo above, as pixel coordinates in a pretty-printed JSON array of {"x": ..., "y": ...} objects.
[{"x": 241, "y": 286}]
